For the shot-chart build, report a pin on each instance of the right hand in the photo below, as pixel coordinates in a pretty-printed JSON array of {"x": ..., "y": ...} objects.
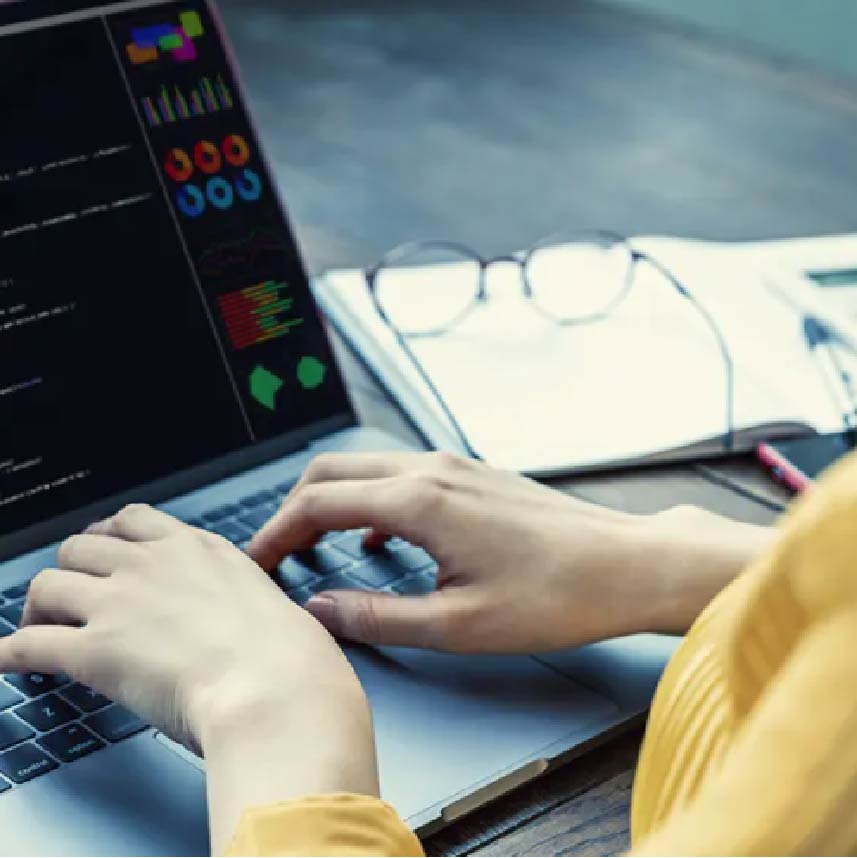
[{"x": 522, "y": 568}]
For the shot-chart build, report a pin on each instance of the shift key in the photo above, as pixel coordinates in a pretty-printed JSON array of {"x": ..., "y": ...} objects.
[{"x": 115, "y": 723}]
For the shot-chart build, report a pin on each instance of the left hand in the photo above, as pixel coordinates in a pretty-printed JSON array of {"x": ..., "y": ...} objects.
[{"x": 179, "y": 626}]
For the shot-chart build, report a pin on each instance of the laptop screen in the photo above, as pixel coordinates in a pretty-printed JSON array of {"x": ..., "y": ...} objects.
[{"x": 154, "y": 312}]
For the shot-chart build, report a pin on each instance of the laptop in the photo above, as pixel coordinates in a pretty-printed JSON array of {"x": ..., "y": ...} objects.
[{"x": 159, "y": 343}]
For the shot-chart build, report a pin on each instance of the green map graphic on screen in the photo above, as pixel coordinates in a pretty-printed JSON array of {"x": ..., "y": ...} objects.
[
  {"x": 264, "y": 387},
  {"x": 311, "y": 373}
]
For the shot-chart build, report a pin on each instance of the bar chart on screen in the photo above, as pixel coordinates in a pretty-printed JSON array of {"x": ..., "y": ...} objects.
[
  {"x": 174, "y": 104},
  {"x": 257, "y": 314}
]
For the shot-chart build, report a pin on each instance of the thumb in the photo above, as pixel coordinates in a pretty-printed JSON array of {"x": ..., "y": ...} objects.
[{"x": 384, "y": 619}]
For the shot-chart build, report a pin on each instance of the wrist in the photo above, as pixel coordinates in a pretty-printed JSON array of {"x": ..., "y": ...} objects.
[
  {"x": 694, "y": 555},
  {"x": 328, "y": 706},
  {"x": 273, "y": 741}
]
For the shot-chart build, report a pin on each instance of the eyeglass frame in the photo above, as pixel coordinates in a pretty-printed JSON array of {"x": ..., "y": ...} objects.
[{"x": 635, "y": 256}]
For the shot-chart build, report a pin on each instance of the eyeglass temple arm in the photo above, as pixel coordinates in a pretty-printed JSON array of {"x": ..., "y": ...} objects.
[{"x": 728, "y": 363}]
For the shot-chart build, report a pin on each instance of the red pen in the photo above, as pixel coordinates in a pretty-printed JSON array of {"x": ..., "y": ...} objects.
[{"x": 782, "y": 469}]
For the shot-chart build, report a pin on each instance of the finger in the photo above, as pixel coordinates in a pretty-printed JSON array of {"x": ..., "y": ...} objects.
[
  {"x": 386, "y": 620},
  {"x": 331, "y": 467},
  {"x": 93, "y": 554},
  {"x": 137, "y": 523},
  {"x": 58, "y": 596},
  {"x": 407, "y": 506},
  {"x": 373, "y": 540},
  {"x": 41, "y": 649}
]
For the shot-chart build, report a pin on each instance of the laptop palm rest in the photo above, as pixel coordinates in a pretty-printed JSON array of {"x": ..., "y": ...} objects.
[
  {"x": 134, "y": 798},
  {"x": 449, "y": 725}
]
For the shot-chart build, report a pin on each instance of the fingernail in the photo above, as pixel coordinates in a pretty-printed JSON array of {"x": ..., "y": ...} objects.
[{"x": 323, "y": 608}]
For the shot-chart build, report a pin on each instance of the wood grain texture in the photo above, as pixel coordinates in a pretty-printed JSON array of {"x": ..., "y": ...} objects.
[
  {"x": 581, "y": 806},
  {"x": 594, "y": 823},
  {"x": 494, "y": 123}
]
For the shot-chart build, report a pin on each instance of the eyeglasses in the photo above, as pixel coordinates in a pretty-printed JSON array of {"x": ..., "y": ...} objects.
[{"x": 575, "y": 278}]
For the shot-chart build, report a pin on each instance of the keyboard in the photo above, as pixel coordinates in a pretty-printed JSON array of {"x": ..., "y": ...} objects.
[
  {"x": 339, "y": 561},
  {"x": 49, "y": 720}
]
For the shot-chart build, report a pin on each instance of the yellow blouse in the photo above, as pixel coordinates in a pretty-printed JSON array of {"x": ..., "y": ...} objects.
[{"x": 751, "y": 746}]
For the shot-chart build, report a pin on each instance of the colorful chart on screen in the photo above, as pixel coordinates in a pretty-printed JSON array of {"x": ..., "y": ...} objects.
[
  {"x": 176, "y": 40},
  {"x": 174, "y": 103},
  {"x": 259, "y": 313}
]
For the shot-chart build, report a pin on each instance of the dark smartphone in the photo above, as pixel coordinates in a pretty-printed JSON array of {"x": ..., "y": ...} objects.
[{"x": 811, "y": 455}]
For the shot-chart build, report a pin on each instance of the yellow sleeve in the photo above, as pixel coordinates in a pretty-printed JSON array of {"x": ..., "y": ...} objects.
[
  {"x": 786, "y": 781},
  {"x": 789, "y": 783},
  {"x": 341, "y": 824}
]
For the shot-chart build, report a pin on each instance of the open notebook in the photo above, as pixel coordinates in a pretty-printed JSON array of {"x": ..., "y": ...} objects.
[{"x": 647, "y": 384}]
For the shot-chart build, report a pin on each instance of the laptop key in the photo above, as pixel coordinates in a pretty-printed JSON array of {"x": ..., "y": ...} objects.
[
  {"x": 70, "y": 743},
  {"x": 6, "y": 629},
  {"x": 12, "y": 731},
  {"x": 352, "y": 543},
  {"x": 339, "y": 581},
  {"x": 219, "y": 513},
  {"x": 12, "y": 613},
  {"x": 8, "y": 696},
  {"x": 325, "y": 558},
  {"x": 291, "y": 574},
  {"x": 47, "y": 713},
  {"x": 85, "y": 698},
  {"x": 377, "y": 572},
  {"x": 415, "y": 585},
  {"x": 302, "y": 595},
  {"x": 254, "y": 519},
  {"x": 17, "y": 592},
  {"x": 284, "y": 488},
  {"x": 25, "y": 763},
  {"x": 115, "y": 723},
  {"x": 35, "y": 684},
  {"x": 235, "y": 532},
  {"x": 258, "y": 498},
  {"x": 412, "y": 558}
]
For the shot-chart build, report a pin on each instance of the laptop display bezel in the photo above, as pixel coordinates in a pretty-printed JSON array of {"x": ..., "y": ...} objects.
[{"x": 253, "y": 455}]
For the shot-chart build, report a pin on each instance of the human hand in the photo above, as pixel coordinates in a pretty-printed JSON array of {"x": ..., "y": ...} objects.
[
  {"x": 522, "y": 568},
  {"x": 186, "y": 630}
]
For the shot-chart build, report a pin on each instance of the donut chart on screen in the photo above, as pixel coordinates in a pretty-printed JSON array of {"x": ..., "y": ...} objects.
[
  {"x": 220, "y": 175},
  {"x": 207, "y": 157},
  {"x": 178, "y": 165},
  {"x": 249, "y": 186},
  {"x": 191, "y": 201},
  {"x": 236, "y": 150},
  {"x": 220, "y": 193}
]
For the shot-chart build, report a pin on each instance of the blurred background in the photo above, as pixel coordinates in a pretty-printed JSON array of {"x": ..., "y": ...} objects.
[{"x": 494, "y": 122}]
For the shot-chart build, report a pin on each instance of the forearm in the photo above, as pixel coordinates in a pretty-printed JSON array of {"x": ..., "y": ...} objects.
[
  {"x": 272, "y": 750},
  {"x": 696, "y": 555}
]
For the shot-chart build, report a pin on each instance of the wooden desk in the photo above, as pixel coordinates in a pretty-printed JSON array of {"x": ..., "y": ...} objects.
[
  {"x": 498, "y": 122},
  {"x": 583, "y": 808}
]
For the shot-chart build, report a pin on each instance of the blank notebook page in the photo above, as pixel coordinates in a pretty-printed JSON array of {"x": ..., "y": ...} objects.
[{"x": 538, "y": 397}]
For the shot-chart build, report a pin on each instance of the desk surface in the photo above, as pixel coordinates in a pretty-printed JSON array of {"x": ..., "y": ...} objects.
[{"x": 496, "y": 123}]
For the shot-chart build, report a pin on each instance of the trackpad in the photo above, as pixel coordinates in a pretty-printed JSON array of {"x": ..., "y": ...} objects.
[{"x": 448, "y": 724}]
